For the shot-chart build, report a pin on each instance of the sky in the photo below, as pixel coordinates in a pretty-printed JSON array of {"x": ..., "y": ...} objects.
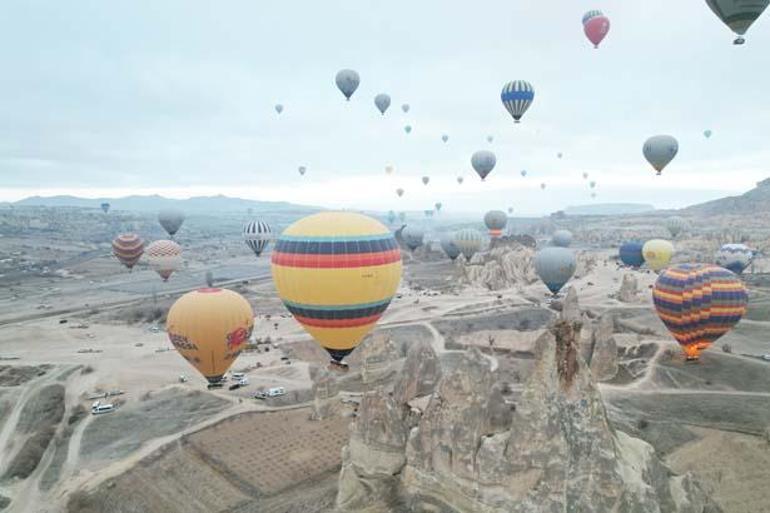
[{"x": 106, "y": 99}]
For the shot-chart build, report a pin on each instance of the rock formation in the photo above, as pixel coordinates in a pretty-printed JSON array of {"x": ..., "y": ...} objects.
[
  {"x": 629, "y": 289},
  {"x": 501, "y": 268},
  {"x": 325, "y": 399},
  {"x": 378, "y": 353},
  {"x": 466, "y": 450}
]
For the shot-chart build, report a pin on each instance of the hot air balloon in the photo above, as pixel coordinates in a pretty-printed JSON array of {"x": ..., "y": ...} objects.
[
  {"x": 523, "y": 172},
  {"x": 593, "y": 194},
  {"x": 542, "y": 186},
  {"x": 105, "y": 207},
  {"x": 382, "y": 102},
  {"x": 302, "y": 170},
  {"x": 738, "y": 15},
  {"x": 449, "y": 247},
  {"x": 585, "y": 176},
  {"x": 337, "y": 272},
  {"x": 405, "y": 108},
  {"x": 400, "y": 192},
  {"x": 257, "y": 235},
  {"x": 707, "y": 134},
  {"x": 425, "y": 180},
  {"x": 592, "y": 184},
  {"x": 483, "y": 162},
  {"x": 408, "y": 129},
  {"x": 210, "y": 327},
  {"x": 495, "y": 220},
  {"x": 445, "y": 137},
  {"x": 347, "y": 81},
  {"x": 460, "y": 179},
  {"x": 468, "y": 241},
  {"x": 389, "y": 170},
  {"x": 562, "y": 238},
  {"x": 675, "y": 225},
  {"x": 510, "y": 210},
  {"x": 517, "y": 96},
  {"x": 699, "y": 303},
  {"x": 278, "y": 108},
  {"x": 555, "y": 266},
  {"x": 559, "y": 155},
  {"x": 128, "y": 249},
  {"x": 659, "y": 150},
  {"x": 412, "y": 237},
  {"x": 171, "y": 220},
  {"x": 164, "y": 257},
  {"x": 631, "y": 254},
  {"x": 596, "y": 27},
  {"x": 438, "y": 206},
  {"x": 490, "y": 139},
  {"x": 657, "y": 253},
  {"x": 391, "y": 217},
  {"x": 734, "y": 257}
]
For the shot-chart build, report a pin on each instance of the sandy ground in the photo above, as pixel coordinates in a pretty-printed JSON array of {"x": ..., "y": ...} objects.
[{"x": 139, "y": 360}]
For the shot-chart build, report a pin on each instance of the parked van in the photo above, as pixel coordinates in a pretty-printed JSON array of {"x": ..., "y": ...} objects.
[
  {"x": 270, "y": 392},
  {"x": 237, "y": 376},
  {"x": 97, "y": 408}
]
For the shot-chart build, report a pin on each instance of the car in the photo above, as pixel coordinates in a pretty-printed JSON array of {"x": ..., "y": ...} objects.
[
  {"x": 98, "y": 408},
  {"x": 238, "y": 375},
  {"x": 270, "y": 392},
  {"x": 766, "y": 357},
  {"x": 234, "y": 386}
]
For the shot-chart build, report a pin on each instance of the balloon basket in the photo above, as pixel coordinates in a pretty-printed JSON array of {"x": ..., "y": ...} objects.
[
  {"x": 339, "y": 367},
  {"x": 739, "y": 41}
]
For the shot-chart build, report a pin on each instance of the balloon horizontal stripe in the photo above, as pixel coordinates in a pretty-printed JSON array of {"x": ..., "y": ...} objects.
[
  {"x": 315, "y": 247},
  {"x": 336, "y": 238},
  {"x": 338, "y": 312},
  {"x": 321, "y": 261},
  {"x": 338, "y": 323}
]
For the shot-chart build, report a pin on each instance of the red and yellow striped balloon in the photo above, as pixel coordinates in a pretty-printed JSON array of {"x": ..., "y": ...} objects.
[
  {"x": 699, "y": 303},
  {"x": 337, "y": 272},
  {"x": 128, "y": 249},
  {"x": 165, "y": 257}
]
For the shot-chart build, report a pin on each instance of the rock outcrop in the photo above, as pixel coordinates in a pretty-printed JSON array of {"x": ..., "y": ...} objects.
[
  {"x": 501, "y": 268},
  {"x": 467, "y": 450},
  {"x": 629, "y": 289}
]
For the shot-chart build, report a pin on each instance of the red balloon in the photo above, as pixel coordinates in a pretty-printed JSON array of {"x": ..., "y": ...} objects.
[{"x": 596, "y": 29}]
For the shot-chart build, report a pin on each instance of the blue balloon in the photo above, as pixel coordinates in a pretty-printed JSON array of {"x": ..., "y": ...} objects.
[
  {"x": 517, "y": 96},
  {"x": 631, "y": 253}
]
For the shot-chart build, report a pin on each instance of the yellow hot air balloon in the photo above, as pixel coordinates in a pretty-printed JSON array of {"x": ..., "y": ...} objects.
[
  {"x": 337, "y": 272},
  {"x": 210, "y": 327},
  {"x": 657, "y": 253}
]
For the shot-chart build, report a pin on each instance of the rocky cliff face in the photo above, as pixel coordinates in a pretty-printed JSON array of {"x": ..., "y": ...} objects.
[
  {"x": 461, "y": 448},
  {"x": 500, "y": 268}
]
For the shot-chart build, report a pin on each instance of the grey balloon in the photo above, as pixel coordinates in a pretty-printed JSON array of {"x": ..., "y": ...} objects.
[
  {"x": 468, "y": 241},
  {"x": 171, "y": 220},
  {"x": 449, "y": 247},
  {"x": 412, "y": 237},
  {"x": 382, "y": 101},
  {"x": 445, "y": 137},
  {"x": 660, "y": 150},
  {"x": 405, "y": 108},
  {"x": 408, "y": 129},
  {"x": 347, "y": 81},
  {"x": 483, "y": 162},
  {"x": 555, "y": 266},
  {"x": 279, "y": 108},
  {"x": 676, "y": 225},
  {"x": 562, "y": 238},
  {"x": 495, "y": 219}
]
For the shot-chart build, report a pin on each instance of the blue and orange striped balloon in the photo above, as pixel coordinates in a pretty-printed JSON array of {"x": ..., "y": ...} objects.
[
  {"x": 699, "y": 303},
  {"x": 336, "y": 272}
]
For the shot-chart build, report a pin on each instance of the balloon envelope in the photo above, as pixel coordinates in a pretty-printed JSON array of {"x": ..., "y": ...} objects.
[
  {"x": 596, "y": 29},
  {"x": 347, "y": 81},
  {"x": 400, "y": 192},
  {"x": 210, "y": 327},
  {"x": 128, "y": 249},
  {"x": 445, "y": 137},
  {"x": 389, "y": 170},
  {"x": 734, "y": 257},
  {"x": 425, "y": 180},
  {"x": 657, "y": 253},
  {"x": 450, "y": 248},
  {"x": 302, "y": 170},
  {"x": 495, "y": 220},
  {"x": 555, "y": 266},
  {"x": 279, "y": 108},
  {"x": 438, "y": 206},
  {"x": 630, "y": 254},
  {"x": 483, "y": 162},
  {"x": 336, "y": 272},
  {"x": 707, "y": 133},
  {"x": 105, "y": 207},
  {"x": 171, "y": 220},
  {"x": 468, "y": 241},
  {"x": 739, "y": 15},
  {"x": 562, "y": 238},
  {"x": 699, "y": 303},
  {"x": 164, "y": 257},
  {"x": 660, "y": 150},
  {"x": 382, "y": 102},
  {"x": 408, "y": 129},
  {"x": 257, "y": 235},
  {"x": 413, "y": 237},
  {"x": 675, "y": 225},
  {"x": 460, "y": 179},
  {"x": 591, "y": 14},
  {"x": 517, "y": 96},
  {"x": 405, "y": 107}
]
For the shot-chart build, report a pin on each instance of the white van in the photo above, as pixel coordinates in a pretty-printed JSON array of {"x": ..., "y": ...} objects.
[
  {"x": 97, "y": 408},
  {"x": 270, "y": 392},
  {"x": 237, "y": 376}
]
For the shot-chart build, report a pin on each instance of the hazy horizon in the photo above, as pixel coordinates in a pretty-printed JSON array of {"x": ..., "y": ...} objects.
[{"x": 114, "y": 100}]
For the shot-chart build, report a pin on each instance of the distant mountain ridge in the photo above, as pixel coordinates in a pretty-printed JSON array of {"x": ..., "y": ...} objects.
[
  {"x": 608, "y": 209},
  {"x": 755, "y": 200},
  {"x": 155, "y": 202}
]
